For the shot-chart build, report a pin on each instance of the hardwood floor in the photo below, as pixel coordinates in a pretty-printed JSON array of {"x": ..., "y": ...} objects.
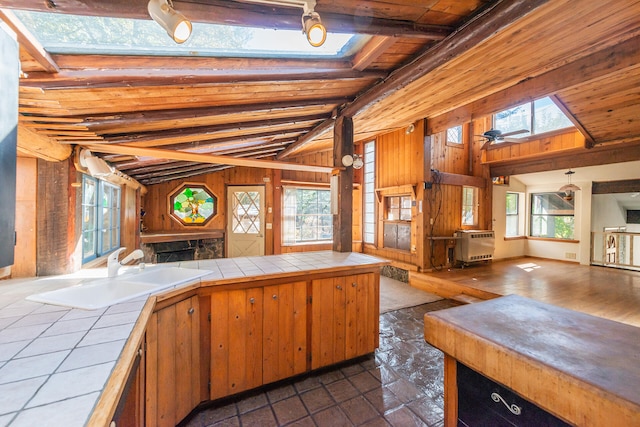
[{"x": 601, "y": 291}]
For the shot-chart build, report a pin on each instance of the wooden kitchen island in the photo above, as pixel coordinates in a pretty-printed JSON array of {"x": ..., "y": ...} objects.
[
  {"x": 252, "y": 322},
  {"x": 515, "y": 361}
]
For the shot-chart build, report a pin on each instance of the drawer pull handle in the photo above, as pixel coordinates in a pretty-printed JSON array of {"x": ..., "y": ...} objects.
[
  {"x": 191, "y": 310},
  {"x": 339, "y": 287},
  {"x": 515, "y": 409},
  {"x": 252, "y": 300}
]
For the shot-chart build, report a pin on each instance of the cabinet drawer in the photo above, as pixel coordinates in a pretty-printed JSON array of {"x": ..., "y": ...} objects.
[{"x": 482, "y": 402}]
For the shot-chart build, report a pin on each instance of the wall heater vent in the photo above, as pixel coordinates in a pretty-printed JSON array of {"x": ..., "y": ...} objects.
[{"x": 474, "y": 245}]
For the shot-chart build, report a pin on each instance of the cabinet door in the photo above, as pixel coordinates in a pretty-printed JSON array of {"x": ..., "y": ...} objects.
[
  {"x": 327, "y": 322},
  {"x": 362, "y": 315},
  {"x": 284, "y": 351},
  {"x": 344, "y": 318},
  {"x": 173, "y": 363},
  {"x": 236, "y": 341}
]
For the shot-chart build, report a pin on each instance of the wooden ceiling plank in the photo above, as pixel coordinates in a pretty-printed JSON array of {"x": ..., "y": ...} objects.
[
  {"x": 371, "y": 52},
  {"x": 28, "y": 41},
  {"x": 493, "y": 20},
  {"x": 571, "y": 76},
  {"x": 205, "y": 158},
  {"x": 32, "y": 143}
]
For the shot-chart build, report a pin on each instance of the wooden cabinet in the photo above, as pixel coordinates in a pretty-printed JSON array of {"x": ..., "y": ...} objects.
[
  {"x": 258, "y": 336},
  {"x": 173, "y": 364},
  {"x": 236, "y": 341},
  {"x": 284, "y": 350},
  {"x": 344, "y": 318}
]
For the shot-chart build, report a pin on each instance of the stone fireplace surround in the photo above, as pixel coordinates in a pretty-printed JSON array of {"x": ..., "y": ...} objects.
[{"x": 164, "y": 247}]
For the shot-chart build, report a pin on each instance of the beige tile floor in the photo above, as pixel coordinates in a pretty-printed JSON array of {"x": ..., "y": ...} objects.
[{"x": 400, "y": 385}]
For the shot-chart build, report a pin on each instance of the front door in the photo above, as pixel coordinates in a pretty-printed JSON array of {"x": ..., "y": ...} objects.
[{"x": 245, "y": 223}]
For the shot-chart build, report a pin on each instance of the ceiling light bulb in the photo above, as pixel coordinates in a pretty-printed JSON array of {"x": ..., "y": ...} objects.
[
  {"x": 313, "y": 28},
  {"x": 175, "y": 24}
]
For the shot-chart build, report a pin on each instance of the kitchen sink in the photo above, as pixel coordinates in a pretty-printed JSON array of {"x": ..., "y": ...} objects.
[{"x": 102, "y": 292}]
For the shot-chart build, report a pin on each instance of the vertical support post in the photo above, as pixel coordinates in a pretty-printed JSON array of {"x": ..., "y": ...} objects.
[
  {"x": 424, "y": 226},
  {"x": 343, "y": 220}
]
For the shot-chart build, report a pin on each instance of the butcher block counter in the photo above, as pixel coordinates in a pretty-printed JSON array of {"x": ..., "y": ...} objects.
[
  {"x": 582, "y": 369},
  {"x": 150, "y": 361}
]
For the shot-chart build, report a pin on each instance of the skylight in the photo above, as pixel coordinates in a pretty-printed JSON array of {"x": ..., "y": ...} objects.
[{"x": 74, "y": 34}]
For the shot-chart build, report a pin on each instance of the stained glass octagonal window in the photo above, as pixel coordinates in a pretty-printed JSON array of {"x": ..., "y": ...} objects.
[{"x": 193, "y": 204}]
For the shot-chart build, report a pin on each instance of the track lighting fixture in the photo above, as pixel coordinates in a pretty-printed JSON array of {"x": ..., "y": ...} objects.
[
  {"x": 175, "y": 24},
  {"x": 312, "y": 27},
  {"x": 311, "y": 23}
]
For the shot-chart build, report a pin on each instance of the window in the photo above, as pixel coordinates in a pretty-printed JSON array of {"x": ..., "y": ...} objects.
[
  {"x": 369, "y": 196},
  {"x": 454, "y": 135},
  {"x": 76, "y": 34},
  {"x": 307, "y": 215},
  {"x": 100, "y": 218},
  {"x": 397, "y": 222},
  {"x": 193, "y": 205},
  {"x": 552, "y": 216},
  {"x": 513, "y": 215},
  {"x": 398, "y": 208},
  {"x": 539, "y": 116},
  {"x": 469, "y": 206}
]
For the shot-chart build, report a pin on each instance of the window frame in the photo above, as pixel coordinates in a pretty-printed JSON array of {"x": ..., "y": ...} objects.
[
  {"x": 473, "y": 207},
  {"x": 459, "y": 144},
  {"x": 104, "y": 217},
  {"x": 369, "y": 198},
  {"x": 533, "y": 133},
  {"x": 290, "y": 226},
  {"x": 515, "y": 215},
  {"x": 560, "y": 214}
]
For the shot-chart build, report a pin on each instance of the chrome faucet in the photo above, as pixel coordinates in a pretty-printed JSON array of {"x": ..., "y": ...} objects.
[{"x": 113, "y": 265}]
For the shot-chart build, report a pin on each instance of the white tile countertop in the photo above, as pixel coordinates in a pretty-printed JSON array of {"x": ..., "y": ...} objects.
[{"x": 55, "y": 360}]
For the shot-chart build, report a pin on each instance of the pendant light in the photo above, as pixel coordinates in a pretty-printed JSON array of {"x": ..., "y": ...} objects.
[{"x": 568, "y": 189}]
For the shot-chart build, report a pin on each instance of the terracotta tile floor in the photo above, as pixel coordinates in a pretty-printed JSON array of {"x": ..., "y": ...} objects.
[{"x": 401, "y": 385}]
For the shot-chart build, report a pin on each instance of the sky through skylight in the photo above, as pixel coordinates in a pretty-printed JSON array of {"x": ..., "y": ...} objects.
[{"x": 62, "y": 33}]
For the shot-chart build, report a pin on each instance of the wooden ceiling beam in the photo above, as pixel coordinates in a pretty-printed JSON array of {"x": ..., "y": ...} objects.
[
  {"x": 307, "y": 138},
  {"x": 114, "y": 77},
  {"x": 209, "y": 132},
  {"x": 205, "y": 158},
  {"x": 599, "y": 155},
  {"x": 100, "y": 123},
  {"x": 236, "y": 13},
  {"x": 371, "y": 51},
  {"x": 34, "y": 144},
  {"x": 234, "y": 140},
  {"x": 28, "y": 42}
]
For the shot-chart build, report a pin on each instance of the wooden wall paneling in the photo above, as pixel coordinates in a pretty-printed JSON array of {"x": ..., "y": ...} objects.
[
  {"x": 56, "y": 218},
  {"x": 26, "y": 208},
  {"x": 129, "y": 214},
  {"x": 220, "y": 345}
]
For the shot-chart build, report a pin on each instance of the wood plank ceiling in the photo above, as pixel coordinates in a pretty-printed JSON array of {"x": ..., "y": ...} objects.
[{"x": 446, "y": 60}]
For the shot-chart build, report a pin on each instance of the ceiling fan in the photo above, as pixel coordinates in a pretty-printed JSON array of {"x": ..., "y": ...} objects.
[{"x": 493, "y": 136}]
